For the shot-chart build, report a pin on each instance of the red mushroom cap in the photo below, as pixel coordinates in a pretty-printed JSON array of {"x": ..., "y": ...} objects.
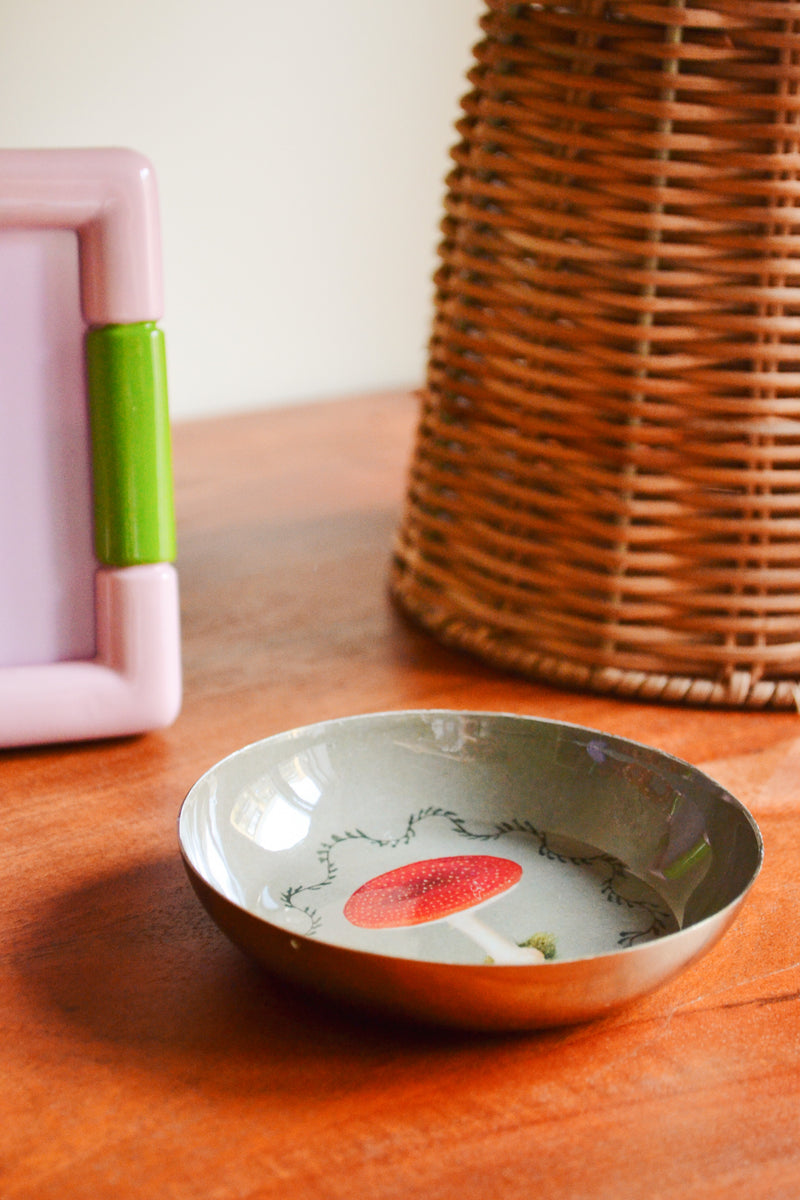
[{"x": 430, "y": 890}]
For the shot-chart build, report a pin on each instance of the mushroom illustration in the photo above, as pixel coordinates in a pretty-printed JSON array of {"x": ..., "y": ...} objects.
[{"x": 442, "y": 889}]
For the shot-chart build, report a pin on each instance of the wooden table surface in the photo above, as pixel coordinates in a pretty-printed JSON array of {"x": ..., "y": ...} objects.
[{"x": 144, "y": 1056}]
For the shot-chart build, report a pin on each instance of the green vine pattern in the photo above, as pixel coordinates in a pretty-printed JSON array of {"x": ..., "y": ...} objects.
[{"x": 617, "y": 872}]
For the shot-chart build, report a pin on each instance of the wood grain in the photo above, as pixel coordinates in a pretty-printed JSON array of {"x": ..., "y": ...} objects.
[{"x": 144, "y": 1056}]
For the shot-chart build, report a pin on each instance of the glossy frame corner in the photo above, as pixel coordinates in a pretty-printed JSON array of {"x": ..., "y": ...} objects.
[{"x": 132, "y": 685}]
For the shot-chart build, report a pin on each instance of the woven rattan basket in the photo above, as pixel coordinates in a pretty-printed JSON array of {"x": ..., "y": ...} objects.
[{"x": 605, "y": 487}]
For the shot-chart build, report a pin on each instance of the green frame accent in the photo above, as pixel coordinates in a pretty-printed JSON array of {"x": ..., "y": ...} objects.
[{"x": 134, "y": 514}]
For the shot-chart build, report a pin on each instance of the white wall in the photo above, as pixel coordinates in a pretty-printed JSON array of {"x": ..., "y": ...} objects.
[{"x": 300, "y": 149}]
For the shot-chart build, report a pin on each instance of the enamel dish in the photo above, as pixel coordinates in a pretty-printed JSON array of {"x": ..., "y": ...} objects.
[{"x": 478, "y": 870}]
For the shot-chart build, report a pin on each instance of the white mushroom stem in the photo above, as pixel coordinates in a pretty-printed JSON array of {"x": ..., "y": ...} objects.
[{"x": 501, "y": 950}]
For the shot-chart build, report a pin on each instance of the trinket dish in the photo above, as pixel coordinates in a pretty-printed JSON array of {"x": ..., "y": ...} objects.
[{"x": 479, "y": 870}]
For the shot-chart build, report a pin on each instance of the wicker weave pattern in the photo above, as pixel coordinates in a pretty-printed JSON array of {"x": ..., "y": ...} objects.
[{"x": 605, "y": 489}]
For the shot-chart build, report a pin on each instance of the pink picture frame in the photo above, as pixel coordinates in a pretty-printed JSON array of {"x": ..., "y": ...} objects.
[{"x": 89, "y": 647}]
